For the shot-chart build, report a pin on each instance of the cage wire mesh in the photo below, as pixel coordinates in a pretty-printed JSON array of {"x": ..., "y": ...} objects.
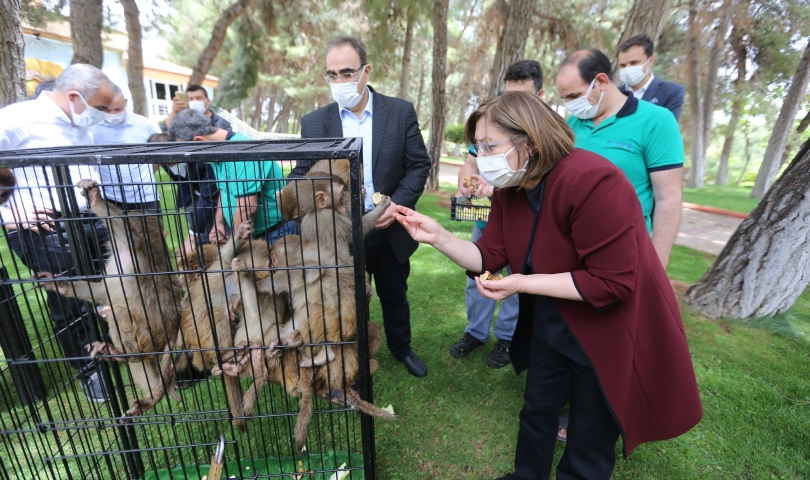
[{"x": 93, "y": 273}]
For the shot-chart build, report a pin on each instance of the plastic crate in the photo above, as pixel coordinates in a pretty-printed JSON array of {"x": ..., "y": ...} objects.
[{"x": 462, "y": 209}]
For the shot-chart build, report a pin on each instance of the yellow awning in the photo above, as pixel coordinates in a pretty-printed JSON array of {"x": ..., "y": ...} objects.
[{"x": 37, "y": 70}]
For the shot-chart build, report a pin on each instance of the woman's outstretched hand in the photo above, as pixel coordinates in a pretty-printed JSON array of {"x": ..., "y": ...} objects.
[
  {"x": 420, "y": 227},
  {"x": 499, "y": 289}
]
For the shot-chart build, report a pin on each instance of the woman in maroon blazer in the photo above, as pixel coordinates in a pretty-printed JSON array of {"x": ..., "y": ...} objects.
[{"x": 598, "y": 320}]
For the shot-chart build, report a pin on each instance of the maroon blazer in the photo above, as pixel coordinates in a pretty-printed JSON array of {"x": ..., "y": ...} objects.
[{"x": 629, "y": 325}]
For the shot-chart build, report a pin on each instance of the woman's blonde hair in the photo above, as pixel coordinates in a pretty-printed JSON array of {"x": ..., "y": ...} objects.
[{"x": 526, "y": 116}]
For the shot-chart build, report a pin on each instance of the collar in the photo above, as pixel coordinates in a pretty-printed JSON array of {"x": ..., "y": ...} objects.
[
  {"x": 230, "y": 135},
  {"x": 630, "y": 106},
  {"x": 369, "y": 107},
  {"x": 49, "y": 107},
  {"x": 649, "y": 82}
]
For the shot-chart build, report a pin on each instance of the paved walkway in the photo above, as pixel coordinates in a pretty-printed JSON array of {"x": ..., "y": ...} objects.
[{"x": 707, "y": 232}]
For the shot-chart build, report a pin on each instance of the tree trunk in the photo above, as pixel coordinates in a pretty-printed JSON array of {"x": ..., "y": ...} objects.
[
  {"x": 135, "y": 56},
  {"x": 765, "y": 265},
  {"x": 404, "y": 79},
  {"x": 421, "y": 90},
  {"x": 747, "y": 157},
  {"x": 439, "y": 77},
  {"x": 647, "y": 17},
  {"x": 736, "y": 107},
  {"x": 783, "y": 126},
  {"x": 217, "y": 38},
  {"x": 85, "y": 29},
  {"x": 512, "y": 42},
  {"x": 804, "y": 123},
  {"x": 12, "y": 54},
  {"x": 698, "y": 170},
  {"x": 258, "y": 100},
  {"x": 715, "y": 58},
  {"x": 282, "y": 120}
]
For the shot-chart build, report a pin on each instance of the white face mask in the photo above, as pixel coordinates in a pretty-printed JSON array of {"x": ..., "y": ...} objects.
[
  {"x": 345, "y": 94},
  {"x": 497, "y": 172},
  {"x": 581, "y": 107},
  {"x": 89, "y": 117},
  {"x": 115, "y": 119},
  {"x": 198, "y": 105},
  {"x": 633, "y": 75}
]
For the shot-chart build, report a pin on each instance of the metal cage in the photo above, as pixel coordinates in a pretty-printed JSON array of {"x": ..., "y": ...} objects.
[{"x": 49, "y": 428}]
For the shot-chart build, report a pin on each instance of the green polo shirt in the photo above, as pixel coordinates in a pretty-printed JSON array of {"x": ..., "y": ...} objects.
[
  {"x": 254, "y": 175},
  {"x": 640, "y": 139}
]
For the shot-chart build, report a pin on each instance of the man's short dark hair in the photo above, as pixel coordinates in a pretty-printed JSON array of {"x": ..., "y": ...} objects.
[
  {"x": 158, "y": 137},
  {"x": 590, "y": 63},
  {"x": 197, "y": 88},
  {"x": 44, "y": 86},
  {"x": 189, "y": 124},
  {"x": 356, "y": 44},
  {"x": 642, "y": 40},
  {"x": 525, "y": 70}
]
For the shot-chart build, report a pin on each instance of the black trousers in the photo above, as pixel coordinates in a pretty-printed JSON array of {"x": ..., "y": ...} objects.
[
  {"x": 71, "y": 317},
  {"x": 558, "y": 371},
  {"x": 391, "y": 283}
]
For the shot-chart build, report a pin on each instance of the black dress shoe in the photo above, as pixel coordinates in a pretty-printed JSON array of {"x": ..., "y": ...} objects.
[{"x": 415, "y": 365}]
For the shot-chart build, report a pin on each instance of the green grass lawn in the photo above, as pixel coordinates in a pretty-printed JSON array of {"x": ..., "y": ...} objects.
[
  {"x": 735, "y": 199},
  {"x": 461, "y": 421}
]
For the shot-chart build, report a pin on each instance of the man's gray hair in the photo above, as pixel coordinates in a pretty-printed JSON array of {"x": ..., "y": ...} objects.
[
  {"x": 86, "y": 79},
  {"x": 189, "y": 124},
  {"x": 356, "y": 44}
]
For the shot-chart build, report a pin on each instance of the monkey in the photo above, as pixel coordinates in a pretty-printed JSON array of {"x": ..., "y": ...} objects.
[
  {"x": 297, "y": 200},
  {"x": 284, "y": 370},
  {"x": 205, "y": 321},
  {"x": 144, "y": 308}
]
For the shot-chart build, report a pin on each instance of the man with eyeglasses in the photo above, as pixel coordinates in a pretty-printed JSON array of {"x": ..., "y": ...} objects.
[
  {"x": 523, "y": 76},
  {"x": 395, "y": 163}
]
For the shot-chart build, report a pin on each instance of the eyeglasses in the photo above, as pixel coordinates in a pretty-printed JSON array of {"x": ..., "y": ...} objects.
[
  {"x": 344, "y": 76},
  {"x": 487, "y": 148}
]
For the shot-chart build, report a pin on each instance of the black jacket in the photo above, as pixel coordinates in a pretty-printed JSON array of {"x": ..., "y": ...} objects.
[
  {"x": 400, "y": 162},
  {"x": 202, "y": 207}
]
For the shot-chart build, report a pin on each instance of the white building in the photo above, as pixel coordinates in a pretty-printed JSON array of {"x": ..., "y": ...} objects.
[{"x": 49, "y": 49}]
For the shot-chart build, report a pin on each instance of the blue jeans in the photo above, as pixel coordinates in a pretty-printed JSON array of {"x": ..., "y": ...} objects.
[
  {"x": 279, "y": 230},
  {"x": 480, "y": 309}
]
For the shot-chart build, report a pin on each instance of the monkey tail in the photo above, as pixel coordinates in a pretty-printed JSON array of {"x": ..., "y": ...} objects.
[
  {"x": 354, "y": 400},
  {"x": 302, "y": 424},
  {"x": 234, "y": 392},
  {"x": 252, "y": 395},
  {"x": 168, "y": 374}
]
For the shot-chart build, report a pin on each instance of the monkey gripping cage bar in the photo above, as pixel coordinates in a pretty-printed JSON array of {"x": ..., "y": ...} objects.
[{"x": 50, "y": 428}]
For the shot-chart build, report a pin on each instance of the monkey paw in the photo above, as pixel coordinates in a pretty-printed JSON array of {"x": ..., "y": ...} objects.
[
  {"x": 245, "y": 230},
  {"x": 234, "y": 307},
  {"x": 89, "y": 189},
  {"x": 139, "y": 406},
  {"x": 109, "y": 351},
  {"x": 274, "y": 349},
  {"x": 234, "y": 361},
  {"x": 384, "y": 203},
  {"x": 238, "y": 265}
]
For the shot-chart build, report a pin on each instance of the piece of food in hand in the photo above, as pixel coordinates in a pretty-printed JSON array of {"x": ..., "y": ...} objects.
[
  {"x": 376, "y": 198},
  {"x": 470, "y": 182},
  {"x": 489, "y": 276}
]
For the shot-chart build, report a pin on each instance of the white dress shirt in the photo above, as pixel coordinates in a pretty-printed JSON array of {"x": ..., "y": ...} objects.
[
  {"x": 640, "y": 92},
  {"x": 361, "y": 127},
  {"x": 139, "y": 179},
  {"x": 40, "y": 123}
]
